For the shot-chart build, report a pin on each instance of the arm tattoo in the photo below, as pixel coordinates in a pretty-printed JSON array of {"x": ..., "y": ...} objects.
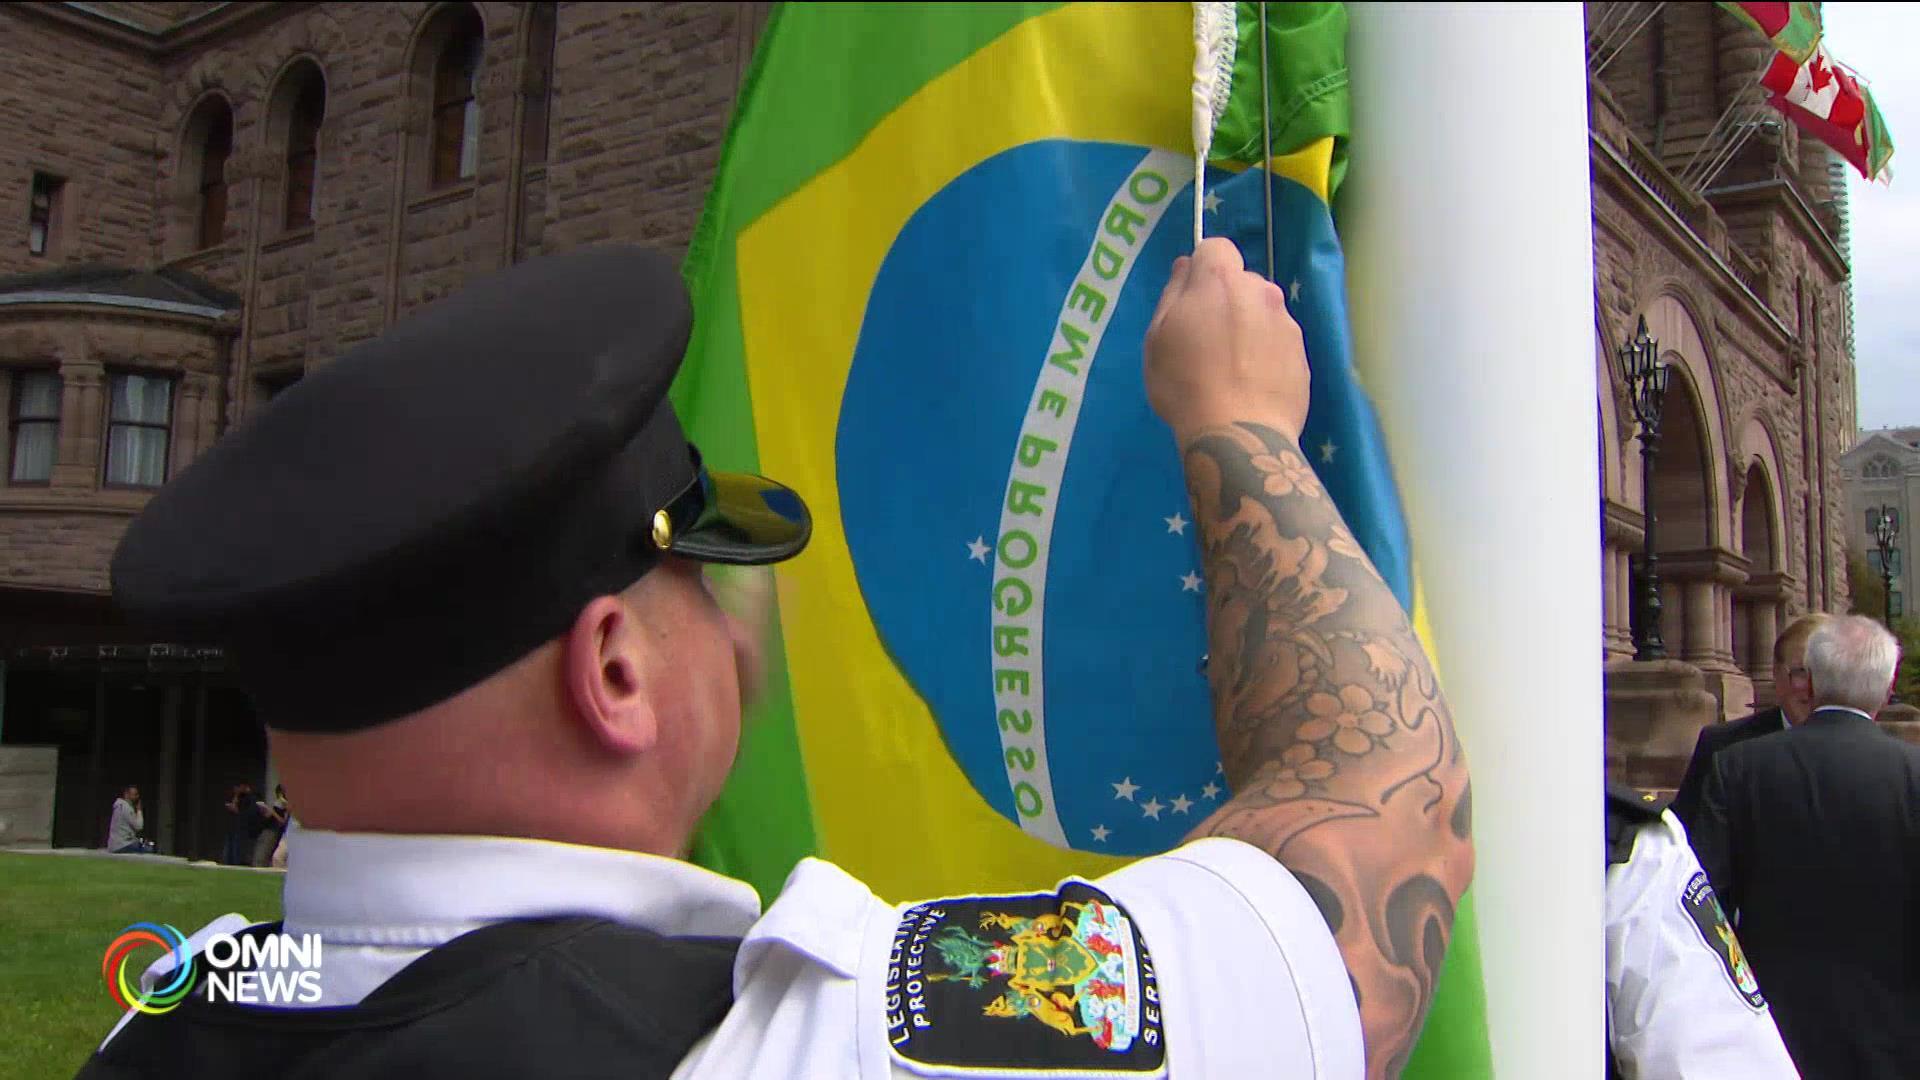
[{"x": 1333, "y": 731}]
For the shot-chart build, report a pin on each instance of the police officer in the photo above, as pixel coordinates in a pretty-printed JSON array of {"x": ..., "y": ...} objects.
[
  {"x": 1682, "y": 1002},
  {"x": 460, "y": 570}
]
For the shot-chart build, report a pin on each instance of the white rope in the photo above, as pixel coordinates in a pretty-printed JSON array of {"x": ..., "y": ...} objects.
[{"x": 1215, "y": 36}]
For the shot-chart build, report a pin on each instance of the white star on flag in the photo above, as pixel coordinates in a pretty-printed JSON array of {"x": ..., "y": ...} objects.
[
  {"x": 1100, "y": 833},
  {"x": 1152, "y": 808},
  {"x": 1190, "y": 583},
  {"x": 1327, "y": 450},
  {"x": 1125, "y": 788},
  {"x": 977, "y": 551},
  {"x": 1181, "y": 804},
  {"x": 1293, "y": 291},
  {"x": 1211, "y": 202},
  {"x": 1211, "y": 791},
  {"x": 1176, "y": 524},
  {"x": 1218, "y": 768}
]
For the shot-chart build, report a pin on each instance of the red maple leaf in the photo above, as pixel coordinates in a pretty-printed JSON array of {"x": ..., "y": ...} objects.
[{"x": 1818, "y": 73}]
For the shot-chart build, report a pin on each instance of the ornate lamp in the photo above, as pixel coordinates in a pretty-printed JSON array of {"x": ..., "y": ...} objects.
[{"x": 1646, "y": 379}]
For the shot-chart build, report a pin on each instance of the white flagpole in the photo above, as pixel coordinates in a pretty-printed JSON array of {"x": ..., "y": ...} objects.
[{"x": 1467, "y": 224}]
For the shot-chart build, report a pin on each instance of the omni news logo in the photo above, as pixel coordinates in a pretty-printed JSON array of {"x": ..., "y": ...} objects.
[{"x": 257, "y": 969}]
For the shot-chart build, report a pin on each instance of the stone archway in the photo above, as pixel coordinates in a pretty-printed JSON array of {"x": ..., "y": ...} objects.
[
  {"x": 1682, "y": 505},
  {"x": 1682, "y": 488},
  {"x": 1760, "y": 601},
  {"x": 1619, "y": 533}
]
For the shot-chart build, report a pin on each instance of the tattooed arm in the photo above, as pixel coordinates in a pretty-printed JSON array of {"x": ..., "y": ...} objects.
[{"x": 1332, "y": 728}]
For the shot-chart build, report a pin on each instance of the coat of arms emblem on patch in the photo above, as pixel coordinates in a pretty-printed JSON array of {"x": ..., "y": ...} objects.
[
  {"x": 1060, "y": 981},
  {"x": 1703, "y": 907}
]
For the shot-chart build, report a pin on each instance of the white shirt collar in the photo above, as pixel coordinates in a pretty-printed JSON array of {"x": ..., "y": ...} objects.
[
  {"x": 391, "y": 889},
  {"x": 1842, "y": 708}
]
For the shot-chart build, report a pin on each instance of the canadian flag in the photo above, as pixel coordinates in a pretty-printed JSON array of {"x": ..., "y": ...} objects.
[{"x": 1831, "y": 105}]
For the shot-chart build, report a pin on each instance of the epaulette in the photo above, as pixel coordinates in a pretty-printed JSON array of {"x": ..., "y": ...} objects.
[
  {"x": 1627, "y": 810},
  {"x": 1640, "y": 805}
]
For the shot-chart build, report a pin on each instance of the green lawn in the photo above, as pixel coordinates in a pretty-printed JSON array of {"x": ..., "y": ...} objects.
[{"x": 57, "y": 916}]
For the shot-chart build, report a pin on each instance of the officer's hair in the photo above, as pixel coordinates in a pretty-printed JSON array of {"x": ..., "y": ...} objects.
[
  {"x": 1794, "y": 637},
  {"x": 1850, "y": 660}
]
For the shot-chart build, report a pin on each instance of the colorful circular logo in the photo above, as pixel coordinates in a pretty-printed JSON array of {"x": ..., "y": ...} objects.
[{"x": 127, "y": 993}]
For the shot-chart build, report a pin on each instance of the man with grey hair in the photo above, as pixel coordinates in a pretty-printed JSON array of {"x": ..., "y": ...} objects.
[{"x": 1811, "y": 838}]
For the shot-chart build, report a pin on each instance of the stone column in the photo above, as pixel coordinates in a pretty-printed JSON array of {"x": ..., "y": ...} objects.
[
  {"x": 1623, "y": 585},
  {"x": 166, "y": 795},
  {"x": 1620, "y": 537},
  {"x": 82, "y": 417},
  {"x": 1609, "y": 613},
  {"x": 1699, "y": 646},
  {"x": 192, "y": 421},
  {"x": 1725, "y": 613},
  {"x": 1765, "y": 629},
  {"x": 1673, "y": 610}
]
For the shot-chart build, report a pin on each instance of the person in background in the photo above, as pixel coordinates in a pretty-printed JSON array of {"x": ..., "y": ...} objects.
[
  {"x": 1795, "y": 701},
  {"x": 1811, "y": 838},
  {"x": 272, "y": 825},
  {"x": 245, "y": 817},
  {"x": 123, "y": 831}
]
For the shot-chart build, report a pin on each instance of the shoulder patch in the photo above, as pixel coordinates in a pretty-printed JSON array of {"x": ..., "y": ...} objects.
[
  {"x": 1698, "y": 901},
  {"x": 1058, "y": 983}
]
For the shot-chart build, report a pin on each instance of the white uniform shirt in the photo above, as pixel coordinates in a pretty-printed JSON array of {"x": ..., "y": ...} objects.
[
  {"x": 1682, "y": 1003},
  {"x": 1249, "y": 979}
]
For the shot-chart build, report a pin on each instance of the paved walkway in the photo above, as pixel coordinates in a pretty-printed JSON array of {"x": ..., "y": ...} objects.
[{"x": 169, "y": 860}]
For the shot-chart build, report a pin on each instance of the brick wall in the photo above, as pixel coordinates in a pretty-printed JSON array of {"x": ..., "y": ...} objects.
[
  {"x": 85, "y": 111},
  {"x": 640, "y": 98},
  {"x": 639, "y": 104},
  {"x": 58, "y": 550}
]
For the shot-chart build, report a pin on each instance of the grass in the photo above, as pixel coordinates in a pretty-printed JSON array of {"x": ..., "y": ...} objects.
[{"x": 57, "y": 916}]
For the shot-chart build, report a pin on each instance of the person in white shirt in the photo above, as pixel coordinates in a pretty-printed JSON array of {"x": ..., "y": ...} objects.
[
  {"x": 503, "y": 693},
  {"x": 1682, "y": 1001}
]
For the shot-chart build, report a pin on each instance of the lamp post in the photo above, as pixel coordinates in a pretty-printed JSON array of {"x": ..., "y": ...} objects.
[
  {"x": 1646, "y": 379},
  {"x": 1885, "y": 532}
]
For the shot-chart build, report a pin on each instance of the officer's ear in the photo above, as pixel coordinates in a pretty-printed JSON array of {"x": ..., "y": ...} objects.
[{"x": 604, "y": 677}]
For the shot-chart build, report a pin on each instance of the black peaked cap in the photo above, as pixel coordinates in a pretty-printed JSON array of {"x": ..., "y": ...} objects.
[{"x": 428, "y": 508}]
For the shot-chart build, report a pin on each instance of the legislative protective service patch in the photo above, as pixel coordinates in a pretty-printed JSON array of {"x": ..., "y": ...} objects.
[
  {"x": 1057, "y": 983},
  {"x": 1698, "y": 901}
]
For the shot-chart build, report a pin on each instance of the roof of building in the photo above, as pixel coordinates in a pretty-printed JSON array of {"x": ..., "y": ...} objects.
[
  {"x": 166, "y": 285},
  {"x": 1895, "y": 440}
]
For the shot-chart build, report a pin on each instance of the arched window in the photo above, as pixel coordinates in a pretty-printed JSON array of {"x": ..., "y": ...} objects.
[
  {"x": 303, "y": 96},
  {"x": 455, "y": 126},
  {"x": 542, "y": 29},
  {"x": 1880, "y": 468},
  {"x": 210, "y": 140}
]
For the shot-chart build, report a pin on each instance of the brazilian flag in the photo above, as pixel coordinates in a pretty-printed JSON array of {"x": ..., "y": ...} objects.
[{"x": 922, "y": 280}]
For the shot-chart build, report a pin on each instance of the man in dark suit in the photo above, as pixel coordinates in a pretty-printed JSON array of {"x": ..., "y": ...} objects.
[
  {"x": 1811, "y": 838},
  {"x": 1794, "y": 701}
]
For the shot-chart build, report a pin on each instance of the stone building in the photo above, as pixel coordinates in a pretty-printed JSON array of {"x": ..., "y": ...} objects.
[
  {"x": 1882, "y": 473},
  {"x": 1723, "y": 226},
  {"x": 209, "y": 198}
]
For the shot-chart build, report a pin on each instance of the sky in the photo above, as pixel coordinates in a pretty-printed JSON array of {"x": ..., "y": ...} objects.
[{"x": 1877, "y": 42}]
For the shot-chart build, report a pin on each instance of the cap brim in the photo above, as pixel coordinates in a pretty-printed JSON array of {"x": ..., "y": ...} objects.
[{"x": 746, "y": 520}]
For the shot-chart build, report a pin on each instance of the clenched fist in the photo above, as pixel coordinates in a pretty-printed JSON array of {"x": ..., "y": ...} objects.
[{"x": 1222, "y": 347}]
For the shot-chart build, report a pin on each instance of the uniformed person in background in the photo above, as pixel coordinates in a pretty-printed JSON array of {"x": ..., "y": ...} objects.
[
  {"x": 1682, "y": 1002},
  {"x": 460, "y": 571}
]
